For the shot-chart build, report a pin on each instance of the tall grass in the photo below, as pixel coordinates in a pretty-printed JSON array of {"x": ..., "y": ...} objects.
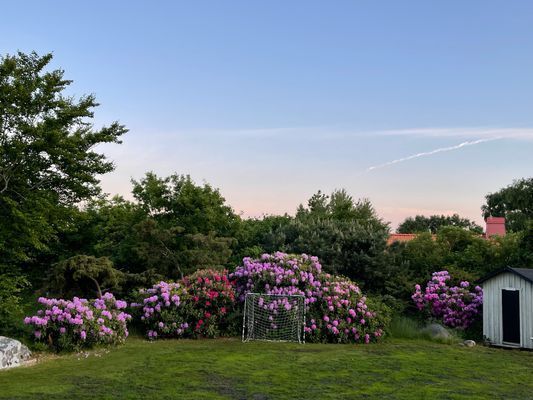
[{"x": 407, "y": 328}]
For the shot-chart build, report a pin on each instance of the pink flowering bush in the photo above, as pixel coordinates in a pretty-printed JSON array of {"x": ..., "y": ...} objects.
[
  {"x": 336, "y": 310},
  {"x": 456, "y": 306},
  {"x": 80, "y": 323},
  {"x": 213, "y": 300},
  {"x": 198, "y": 305}
]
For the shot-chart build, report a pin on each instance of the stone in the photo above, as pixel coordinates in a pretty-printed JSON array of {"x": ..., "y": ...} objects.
[
  {"x": 12, "y": 353},
  {"x": 437, "y": 331},
  {"x": 469, "y": 343}
]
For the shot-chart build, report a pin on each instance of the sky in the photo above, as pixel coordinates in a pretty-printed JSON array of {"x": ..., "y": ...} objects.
[{"x": 423, "y": 107}]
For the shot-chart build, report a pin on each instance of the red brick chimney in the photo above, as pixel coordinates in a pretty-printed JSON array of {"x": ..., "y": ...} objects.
[{"x": 495, "y": 226}]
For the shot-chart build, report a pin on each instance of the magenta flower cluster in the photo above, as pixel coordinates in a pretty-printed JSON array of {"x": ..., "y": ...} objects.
[
  {"x": 80, "y": 323},
  {"x": 197, "y": 305},
  {"x": 456, "y": 306},
  {"x": 336, "y": 309}
]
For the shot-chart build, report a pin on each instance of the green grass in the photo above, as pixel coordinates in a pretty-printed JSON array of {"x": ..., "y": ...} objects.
[{"x": 229, "y": 369}]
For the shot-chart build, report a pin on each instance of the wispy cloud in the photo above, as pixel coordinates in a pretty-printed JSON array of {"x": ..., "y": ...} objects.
[
  {"x": 429, "y": 153},
  {"x": 338, "y": 133},
  {"x": 465, "y": 132}
]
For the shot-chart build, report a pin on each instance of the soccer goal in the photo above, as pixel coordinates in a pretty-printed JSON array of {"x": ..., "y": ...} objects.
[{"x": 273, "y": 317}]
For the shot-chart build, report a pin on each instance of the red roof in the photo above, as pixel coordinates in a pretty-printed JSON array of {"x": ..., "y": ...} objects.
[{"x": 400, "y": 237}]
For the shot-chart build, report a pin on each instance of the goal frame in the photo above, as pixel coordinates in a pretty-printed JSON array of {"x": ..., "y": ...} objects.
[{"x": 248, "y": 319}]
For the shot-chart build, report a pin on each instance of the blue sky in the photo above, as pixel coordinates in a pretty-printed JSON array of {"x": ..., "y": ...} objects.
[{"x": 272, "y": 101}]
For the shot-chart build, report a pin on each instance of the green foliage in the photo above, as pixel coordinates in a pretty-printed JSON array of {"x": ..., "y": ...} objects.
[
  {"x": 433, "y": 223},
  {"x": 514, "y": 202},
  {"x": 174, "y": 228},
  {"x": 351, "y": 248},
  {"x": 466, "y": 255},
  {"x": 11, "y": 310},
  {"x": 341, "y": 207},
  {"x": 174, "y": 253},
  {"x": 105, "y": 228},
  {"x": 525, "y": 246},
  {"x": 186, "y": 226},
  {"x": 346, "y": 235},
  {"x": 256, "y": 236},
  {"x": 82, "y": 275},
  {"x": 46, "y": 157},
  {"x": 176, "y": 200}
]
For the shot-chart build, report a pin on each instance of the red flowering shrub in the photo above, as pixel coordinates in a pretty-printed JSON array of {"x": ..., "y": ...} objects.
[
  {"x": 198, "y": 305},
  {"x": 213, "y": 298}
]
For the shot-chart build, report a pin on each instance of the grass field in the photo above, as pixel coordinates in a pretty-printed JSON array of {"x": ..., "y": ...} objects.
[{"x": 228, "y": 369}]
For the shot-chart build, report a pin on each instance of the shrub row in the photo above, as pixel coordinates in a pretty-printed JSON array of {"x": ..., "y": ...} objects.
[{"x": 208, "y": 303}]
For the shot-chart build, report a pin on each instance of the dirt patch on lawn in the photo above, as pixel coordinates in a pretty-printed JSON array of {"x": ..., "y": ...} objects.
[{"x": 231, "y": 387}]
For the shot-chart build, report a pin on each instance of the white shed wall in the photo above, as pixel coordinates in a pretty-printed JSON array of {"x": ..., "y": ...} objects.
[{"x": 492, "y": 308}]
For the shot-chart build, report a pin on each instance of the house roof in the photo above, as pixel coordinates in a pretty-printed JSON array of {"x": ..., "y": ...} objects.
[
  {"x": 525, "y": 273},
  {"x": 403, "y": 237},
  {"x": 400, "y": 237}
]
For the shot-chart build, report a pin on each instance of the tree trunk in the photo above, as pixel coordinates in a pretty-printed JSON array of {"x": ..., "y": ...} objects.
[{"x": 98, "y": 290}]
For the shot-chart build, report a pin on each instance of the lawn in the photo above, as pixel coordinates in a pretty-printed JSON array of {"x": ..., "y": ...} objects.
[{"x": 229, "y": 369}]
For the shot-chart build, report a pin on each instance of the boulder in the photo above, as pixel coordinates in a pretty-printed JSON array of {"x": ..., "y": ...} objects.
[
  {"x": 12, "y": 352},
  {"x": 469, "y": 343},
  {"x": 436, "y": 331}
]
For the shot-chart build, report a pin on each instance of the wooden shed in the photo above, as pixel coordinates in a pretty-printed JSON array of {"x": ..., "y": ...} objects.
[{"x": 508, "y": 307}]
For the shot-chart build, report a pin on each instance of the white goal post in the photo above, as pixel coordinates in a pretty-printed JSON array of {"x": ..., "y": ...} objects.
[{"x": 274, "y": 317}]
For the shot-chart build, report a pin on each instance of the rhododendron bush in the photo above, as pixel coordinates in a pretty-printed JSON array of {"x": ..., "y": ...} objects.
[
  {"x": 80, "y": 323},
  {"x": 336, "y": 310},
  {"x": 455, "y": 306},
  {"x": 197, "y": 305}
]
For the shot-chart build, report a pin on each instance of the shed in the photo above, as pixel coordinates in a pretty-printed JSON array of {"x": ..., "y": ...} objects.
[{"x": 508, "y": 307}]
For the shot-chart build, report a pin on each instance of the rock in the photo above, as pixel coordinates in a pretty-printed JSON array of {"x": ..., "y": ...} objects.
[
  {"x": 469, "y": 343},
  {"x": 12, "y": 352},
  {"x": 436, "y": 331}
]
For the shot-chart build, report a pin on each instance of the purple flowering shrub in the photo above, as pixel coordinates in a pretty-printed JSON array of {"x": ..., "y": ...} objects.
[
  {"x": 80, "y": 323},
  {"x": 162, "y": 310},
  {"x": 198, "y": 305},
  {"x": 336, "y": 310},
  {"x": 456, "y": 306}
]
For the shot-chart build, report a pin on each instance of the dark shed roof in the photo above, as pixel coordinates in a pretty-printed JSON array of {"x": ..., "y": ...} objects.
[{"x": 525, "y": 273}]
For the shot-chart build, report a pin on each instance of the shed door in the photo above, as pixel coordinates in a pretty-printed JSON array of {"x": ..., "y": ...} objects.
[{"x": 511, "y": 316}]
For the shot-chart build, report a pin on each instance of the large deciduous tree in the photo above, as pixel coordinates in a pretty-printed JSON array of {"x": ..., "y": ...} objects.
[
  {"x": 187, "y": 226},
  {"x": 47, "y": 157},
  {"x": 514, "y": 202},
  {"x": 47, "y": 162}
]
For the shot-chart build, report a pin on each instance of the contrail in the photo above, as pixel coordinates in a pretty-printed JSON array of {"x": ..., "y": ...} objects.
[{"x": 429, "y": 153}]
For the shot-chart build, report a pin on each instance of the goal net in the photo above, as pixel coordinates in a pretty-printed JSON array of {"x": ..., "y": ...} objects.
[{"x": 273, "y": 317}]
